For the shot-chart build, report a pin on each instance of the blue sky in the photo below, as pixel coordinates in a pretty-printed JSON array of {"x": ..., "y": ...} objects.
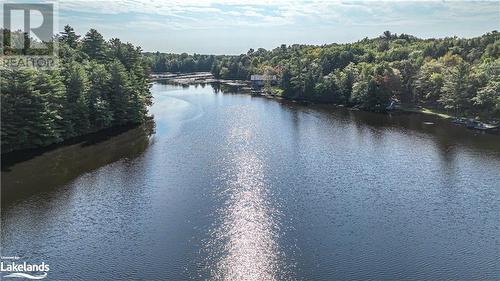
[{"x": 232, "y": 27}]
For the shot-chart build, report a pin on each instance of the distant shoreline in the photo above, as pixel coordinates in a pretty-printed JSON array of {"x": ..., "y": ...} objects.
[{"x": 244, "y": 86}]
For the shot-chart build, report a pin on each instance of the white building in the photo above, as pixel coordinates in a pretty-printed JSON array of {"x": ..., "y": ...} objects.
[{"x": 261, "y": 80}]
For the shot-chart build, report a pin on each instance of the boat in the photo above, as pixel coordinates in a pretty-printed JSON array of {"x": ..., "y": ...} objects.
[{"x": 460, "y": 121}]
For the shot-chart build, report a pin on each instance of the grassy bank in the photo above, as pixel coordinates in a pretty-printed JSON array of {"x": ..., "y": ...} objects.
[{"x": 427, "y": 111}]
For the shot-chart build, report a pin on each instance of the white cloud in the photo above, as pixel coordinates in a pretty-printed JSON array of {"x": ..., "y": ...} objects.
[
  {"x": 280, "y": 12},
  {"x": 276, "y": 21}
]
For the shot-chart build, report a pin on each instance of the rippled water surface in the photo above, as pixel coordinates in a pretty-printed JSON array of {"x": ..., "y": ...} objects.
[{"x": 232, "y": 187}]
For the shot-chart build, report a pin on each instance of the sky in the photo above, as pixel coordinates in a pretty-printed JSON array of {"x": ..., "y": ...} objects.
[{"x": 234, "y": 26}]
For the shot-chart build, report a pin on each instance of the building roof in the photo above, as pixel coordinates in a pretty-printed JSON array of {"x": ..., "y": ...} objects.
[{"x": 257, "y": 77}]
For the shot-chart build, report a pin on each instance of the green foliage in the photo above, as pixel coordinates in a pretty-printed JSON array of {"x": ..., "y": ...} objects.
[
  {"x": 53, "y": 93},
  {"x": 457, "y": 91},
  {"x": 100, "y": 113},
  {"x": 488, "y": 96},
  {"x": 100, "y": 84},
  {"x": 69, "y": 37},
  {"x": 94, "y": 45},
  {"x": 23, "y": 110},
  {"x": 451, "y": 74},
  {"x": 75, "y": 79}
]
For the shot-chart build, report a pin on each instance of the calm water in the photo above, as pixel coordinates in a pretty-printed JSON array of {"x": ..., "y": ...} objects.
[{"x": 233, "y": 187}]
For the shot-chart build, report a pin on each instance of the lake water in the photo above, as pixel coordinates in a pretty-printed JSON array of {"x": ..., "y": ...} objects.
[{"x": 234, "y": 187}]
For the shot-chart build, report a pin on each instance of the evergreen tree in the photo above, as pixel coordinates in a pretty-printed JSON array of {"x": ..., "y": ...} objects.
[
  {"x": 416, "y": 70},
  {"x": 94, "y": 46},
  {"x": 98, "y": 102},
  {"x": 41, "y": 107},
  {"x": 76, "y": 93},
  {"x": 23, "y": 123},
  {"x": 456, "y": 89},
  {"x": 121, "y": 92},
  {"x": 53, "y": 92},
  {"x": 69, "y": 37},
  {"x": 286, "y": 83}
]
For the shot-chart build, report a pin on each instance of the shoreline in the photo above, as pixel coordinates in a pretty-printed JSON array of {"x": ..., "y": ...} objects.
[
  {"x": 11, "y": 158},
  {"x": 469, "y": 123},
  {"x": 14, "y": 157},
  {"x": 425, "y": 111},
  {"x": 192, "y": 78},
  {"x": 244, "y": 87}
]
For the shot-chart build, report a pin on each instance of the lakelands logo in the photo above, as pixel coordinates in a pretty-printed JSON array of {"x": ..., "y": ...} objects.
[{"x": 24, "y": 270}]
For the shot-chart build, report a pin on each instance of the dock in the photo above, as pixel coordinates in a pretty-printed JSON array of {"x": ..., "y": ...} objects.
[{"x": 196, "y": 78}]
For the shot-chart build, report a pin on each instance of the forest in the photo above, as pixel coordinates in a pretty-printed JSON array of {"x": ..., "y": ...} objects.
[
  {"x": 98, "y": 84},
  {"x": 102, "y": 83},
  {"x": 454, "y": 75}
]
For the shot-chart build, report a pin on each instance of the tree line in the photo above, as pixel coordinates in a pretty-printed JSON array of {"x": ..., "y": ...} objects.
[
  {"x": 457, "y": 75},
  {"x": 98, "y": 84}
]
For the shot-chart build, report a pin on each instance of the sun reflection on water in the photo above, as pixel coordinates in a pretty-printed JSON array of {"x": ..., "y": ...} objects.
[{"x": 246, "y": 237}]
